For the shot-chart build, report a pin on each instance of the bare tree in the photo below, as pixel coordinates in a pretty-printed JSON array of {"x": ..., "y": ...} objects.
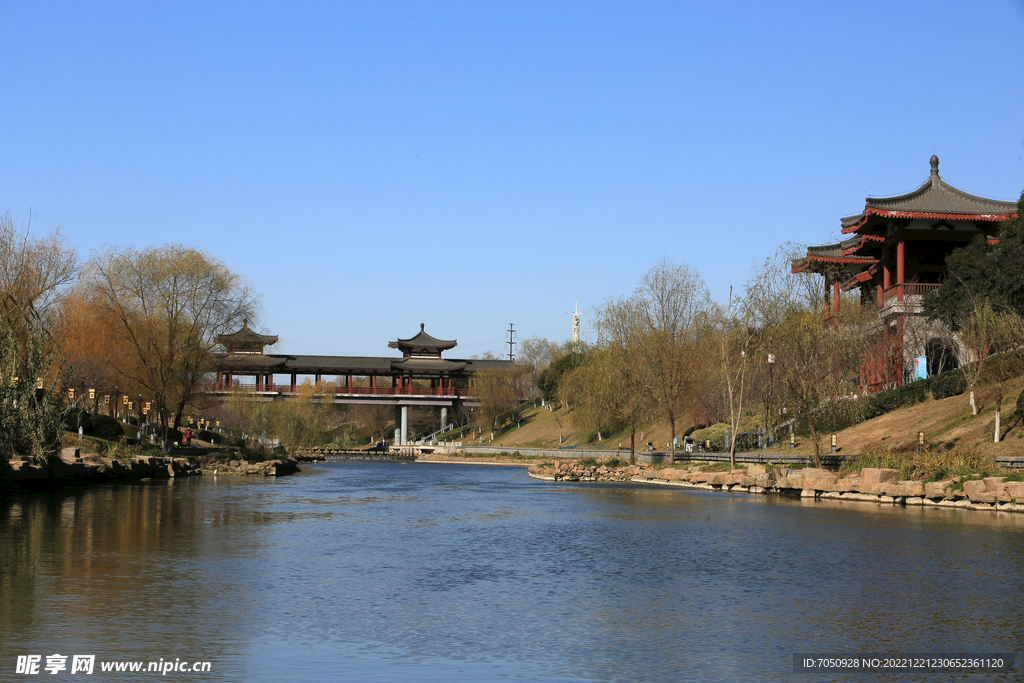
[
  {"x": 168, "y": 305},
  {"x": 995, "y": 336},
  {"x": 35, "y": 273},
  {"x": 658, "y": 331},
  {"x": 735, "y": 338},
  {"x": 818, "y": 361},
  {"x": 376, "y": 417}
]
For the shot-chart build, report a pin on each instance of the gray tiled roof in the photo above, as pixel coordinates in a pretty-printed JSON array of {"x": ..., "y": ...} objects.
[
  {"x": 341, "y": 364},
  {"x": 836, "y": 250},
  {"x": 937, "y": 196},
  {"x": 417, "y": 364},
  {"x": 246, "y": 337},
  {"x": 248, "y": 360},
  {"x": 478, "y": 365},
  {"x": 423, "y": 340}
]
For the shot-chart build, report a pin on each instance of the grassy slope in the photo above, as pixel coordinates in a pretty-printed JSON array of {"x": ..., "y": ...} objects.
[{"x": 944, "y": 422}]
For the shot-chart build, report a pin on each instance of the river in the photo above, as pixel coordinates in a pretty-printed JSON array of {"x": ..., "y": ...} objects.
[{"x": 440, "y": 572}]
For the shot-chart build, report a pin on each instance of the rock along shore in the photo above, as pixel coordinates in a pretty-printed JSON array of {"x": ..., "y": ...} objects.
[
  {"x": 74, "y": 469},
  {"x": 876, "y": 485}
]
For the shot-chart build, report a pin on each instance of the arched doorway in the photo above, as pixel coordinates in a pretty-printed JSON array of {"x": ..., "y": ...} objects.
[{"x": 941, "y": 356}]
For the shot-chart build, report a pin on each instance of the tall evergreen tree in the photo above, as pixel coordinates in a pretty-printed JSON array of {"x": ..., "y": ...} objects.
[{"x": 983, "y": 271}]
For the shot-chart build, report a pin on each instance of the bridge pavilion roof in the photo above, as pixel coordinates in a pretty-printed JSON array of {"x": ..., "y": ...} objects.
[
  {"x": 421, "y": 357},
  {"x": 245, "y": 340},
  {"x": 422, "y": 344}
]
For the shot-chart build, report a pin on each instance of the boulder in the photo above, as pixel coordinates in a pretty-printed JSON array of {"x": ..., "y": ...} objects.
[
  {"x": 789, "y": 479},
  {"x": 846, "y": 484},
  {"x": 977, "y": 492},
  {"x": 902, "y": 489},
  {"x": 974, "y": 489},
  {"x": 992, "y": 483},
  {"x": 872, "y": 477},
  {"x": 754, "y": 470},
  {"x": 937, "y": 489},
  {"x": 1014, "y": 490},
  {"x": 818, "y": 479}
]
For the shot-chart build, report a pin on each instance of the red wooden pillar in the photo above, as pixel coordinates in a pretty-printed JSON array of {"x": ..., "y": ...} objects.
[
  {"x": 348, "y": 383},
  {"x": 293, "y": 381},
  {"x": 835, "y": 299},
  {"x": 259, "y": 382},
  {"x": 886, "y": 271},
  {"x": 373, "y": 383},
  {"x": 220, "y": 380},
  {"x": 900, "y": 268}
]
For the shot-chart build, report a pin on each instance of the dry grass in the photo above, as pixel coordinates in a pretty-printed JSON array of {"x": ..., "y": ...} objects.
[{"x": 947, "y": 424}]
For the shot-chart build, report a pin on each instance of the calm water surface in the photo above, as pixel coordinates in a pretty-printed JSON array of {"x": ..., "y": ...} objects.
[{"x": 432, "y": 572}]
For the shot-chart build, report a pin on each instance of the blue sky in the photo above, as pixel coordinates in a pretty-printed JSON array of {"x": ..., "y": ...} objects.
[{"x": 370, "y": 166}]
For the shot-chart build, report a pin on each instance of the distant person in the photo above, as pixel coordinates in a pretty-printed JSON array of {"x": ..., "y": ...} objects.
[{"x": 188, "y": 436}]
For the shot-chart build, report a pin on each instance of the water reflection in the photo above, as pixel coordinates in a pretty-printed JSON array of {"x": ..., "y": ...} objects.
[{"x": 447, "y": 572}]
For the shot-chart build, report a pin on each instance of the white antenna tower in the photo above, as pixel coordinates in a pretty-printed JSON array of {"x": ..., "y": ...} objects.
[{"x": 576, "y": 323}]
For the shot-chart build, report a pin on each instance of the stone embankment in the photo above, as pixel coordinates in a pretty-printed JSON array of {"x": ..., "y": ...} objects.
[
  {"x": 871, "y": 484},
  {"x": 73, "y": 468}
]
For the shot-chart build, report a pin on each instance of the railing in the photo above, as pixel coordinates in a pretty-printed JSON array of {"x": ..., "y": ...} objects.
[
  {"x": 340, "y": 390},
  {"x": 910, "y": 289}
]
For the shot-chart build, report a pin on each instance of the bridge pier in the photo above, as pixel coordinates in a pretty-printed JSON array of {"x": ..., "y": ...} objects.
[{"x": 401, "y": 425}]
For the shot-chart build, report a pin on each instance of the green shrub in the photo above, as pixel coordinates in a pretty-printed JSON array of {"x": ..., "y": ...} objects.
[
  {"x": 948, "y": 383},
  {"x": 907, "y": 395},
  {"x": 105, "y": 427}
]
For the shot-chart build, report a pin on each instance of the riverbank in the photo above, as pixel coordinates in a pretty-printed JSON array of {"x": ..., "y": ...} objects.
[
  {"x": 506, "y": 459},
  {"x": 871, "y": 484},
  {"x": 75, "y": 468}
]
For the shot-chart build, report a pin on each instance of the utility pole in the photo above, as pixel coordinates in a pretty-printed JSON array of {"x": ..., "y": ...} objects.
[{"x": 510, "y": 342}]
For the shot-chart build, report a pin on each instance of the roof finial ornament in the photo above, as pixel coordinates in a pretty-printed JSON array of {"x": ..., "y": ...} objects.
[
  {"x": 934, "y": 161},
  {"x": 421, "y": 327},
  {"x": 245, "y": 323}
]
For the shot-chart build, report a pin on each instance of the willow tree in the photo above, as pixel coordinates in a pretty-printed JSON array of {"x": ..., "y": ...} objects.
[
  {"x": 498, "y": 392},
  {"x": 167, "y": 305},
  {"x": 33, "y": 406},
  {"x": 610, "y": 391},
  {"x": 658, "y": 329},
  {"x": 300, "y": 421}
]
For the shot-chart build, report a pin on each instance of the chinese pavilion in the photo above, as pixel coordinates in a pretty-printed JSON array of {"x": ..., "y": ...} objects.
[{"x": 895, "y": 255}]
